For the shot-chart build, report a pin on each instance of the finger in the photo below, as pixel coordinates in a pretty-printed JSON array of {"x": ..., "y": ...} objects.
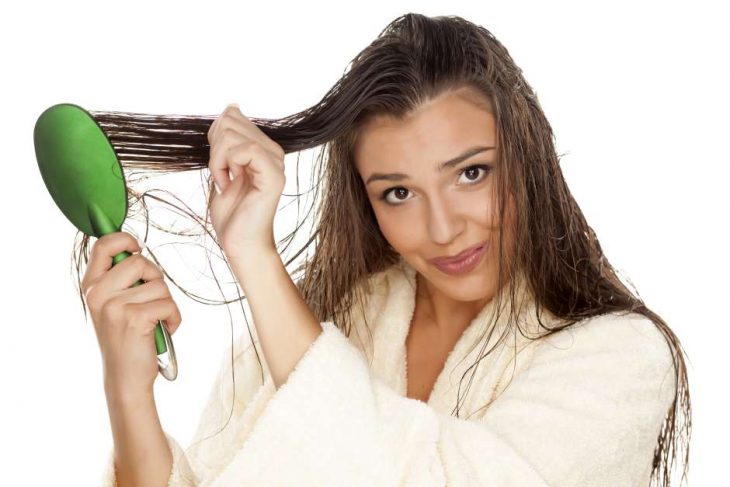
[
  {"x": 124, "y": 275},
  {"x": 211, "y": 129},
  {"x": 148, "y": 314},
  {"x": 214, "y": 128},
  {"x": 149, "y": 291},
  {"x": 255, "y": 159},
  {"x": 172, "y": 327},
  {"x": 235, "y": 119},
  {"x": 102, "y": 253},
  {"x": 218, "y": 165},
  {"x": 236, "y": 170},
  {"x": 272, "y": 156},
  {"x": 234, "y": 123},
  {"x": 231, "y": 111}
]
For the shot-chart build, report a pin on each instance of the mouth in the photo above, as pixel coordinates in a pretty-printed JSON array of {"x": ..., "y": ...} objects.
[
  {"x": 455, "y": 259},
  {"x": 463, "y": 263}
]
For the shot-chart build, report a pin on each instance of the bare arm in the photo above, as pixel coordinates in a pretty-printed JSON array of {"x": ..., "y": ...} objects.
[
  {"x": 141, "y": 454},
  {"x": 284, "y": 322}
]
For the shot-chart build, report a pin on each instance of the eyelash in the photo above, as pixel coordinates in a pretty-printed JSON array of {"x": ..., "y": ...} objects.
[{"x": 484, "y": 167}]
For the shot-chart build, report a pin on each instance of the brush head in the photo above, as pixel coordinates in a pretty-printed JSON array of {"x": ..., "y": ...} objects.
[{"x": 80, "y": 169}]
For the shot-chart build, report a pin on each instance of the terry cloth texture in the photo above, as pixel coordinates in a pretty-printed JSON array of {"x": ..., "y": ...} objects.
[{"x": 580, "y": 407}]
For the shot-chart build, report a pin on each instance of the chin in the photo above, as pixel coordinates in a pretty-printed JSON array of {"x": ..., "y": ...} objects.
[
  {"x": 467, "y": 289},
  {"x": 474, "y": 286}
]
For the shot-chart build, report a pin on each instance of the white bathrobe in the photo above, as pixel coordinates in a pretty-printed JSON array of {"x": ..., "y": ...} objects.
[{"x": 581, "y": 407}]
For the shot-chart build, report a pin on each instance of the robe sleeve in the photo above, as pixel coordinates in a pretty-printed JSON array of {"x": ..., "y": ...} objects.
[{"x": 587, "y": 410}]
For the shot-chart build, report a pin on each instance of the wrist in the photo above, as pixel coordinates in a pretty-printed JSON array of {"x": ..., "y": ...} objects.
[
  {"x": 249, "y": 255},
  {"x": 122, "y": 395},
  {"x": 249, "y": 264}
]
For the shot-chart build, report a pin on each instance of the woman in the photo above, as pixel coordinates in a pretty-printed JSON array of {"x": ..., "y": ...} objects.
[{"x": 437, "y": 148}]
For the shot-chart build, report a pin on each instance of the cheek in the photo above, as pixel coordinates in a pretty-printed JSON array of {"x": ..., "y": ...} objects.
[
  {"x": 507, "y": 236},
  {"x": 486, "y": 208},
  {"x": 398, "y": 235},
  {"x": 401, "y": 227},
  {"x": 480, "y": 211}
]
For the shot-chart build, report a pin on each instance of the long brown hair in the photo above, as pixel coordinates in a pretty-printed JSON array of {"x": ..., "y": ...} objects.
[{"x": 414, "y": 59}]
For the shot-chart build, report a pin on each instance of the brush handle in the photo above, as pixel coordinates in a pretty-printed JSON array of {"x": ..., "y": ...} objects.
[
  {"x": 163, "y": 342},
  {"x": 102, "y": 225}
]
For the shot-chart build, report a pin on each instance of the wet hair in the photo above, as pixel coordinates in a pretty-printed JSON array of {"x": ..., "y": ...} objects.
[{"x": 413, "y": 60}]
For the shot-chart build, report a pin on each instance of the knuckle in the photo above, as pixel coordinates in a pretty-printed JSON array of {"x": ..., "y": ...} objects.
[
  {"x": 90, "y": 297},
  {"x": 134, "y": 315},
  {"x": 143, "y": 260},
  {"x": 141, "y": 264},
  {"x": 112, "y": 309},
  {"x": 83, "y": 288},
  {"x": 175, "y": 312},
  {"x": 96, "y": 248},
  {"x": 213, "y": 157},
  {"x": 137, "y": 260},
  {"x": 258, "y": 147},
  {"x": 159, "y": 286},
  {"x": 229, "y": 132},
  {"x": 279, "y": 157},
  {"x": 154, "y": 269},
  {"x": 244, "y": 146}
]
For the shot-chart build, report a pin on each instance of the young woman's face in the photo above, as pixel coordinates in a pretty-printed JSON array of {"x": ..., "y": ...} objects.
[{"x": 424, "y": 212}]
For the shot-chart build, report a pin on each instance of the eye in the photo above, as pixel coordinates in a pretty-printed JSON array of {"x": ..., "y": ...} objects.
[
  {"x": 471, "y": 170},
  {"x": 400, "y": 190}
]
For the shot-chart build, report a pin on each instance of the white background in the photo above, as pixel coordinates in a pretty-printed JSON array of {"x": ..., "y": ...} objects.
[{"x": 636, "y": 92}]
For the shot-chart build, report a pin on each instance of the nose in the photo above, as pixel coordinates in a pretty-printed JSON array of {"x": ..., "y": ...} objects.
[{"x": 445, "y": 221}]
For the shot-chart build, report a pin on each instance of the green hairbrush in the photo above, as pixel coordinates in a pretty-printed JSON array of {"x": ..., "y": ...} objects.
[{"x": 82, "y": 172}]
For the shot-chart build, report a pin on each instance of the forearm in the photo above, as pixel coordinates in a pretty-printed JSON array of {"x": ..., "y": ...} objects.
[
  {"x": 141, "y": 453},
  {"x": 285, "y": 325}
]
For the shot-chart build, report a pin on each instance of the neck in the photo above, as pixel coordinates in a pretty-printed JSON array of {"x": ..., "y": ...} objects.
[{"x": 439, "y": 311}]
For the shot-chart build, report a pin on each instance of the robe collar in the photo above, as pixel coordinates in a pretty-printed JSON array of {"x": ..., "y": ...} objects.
[{"x": 389, "y": 319}]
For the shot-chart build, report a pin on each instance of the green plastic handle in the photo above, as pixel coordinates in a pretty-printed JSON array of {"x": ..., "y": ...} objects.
[
  {"x": 102, "y": 226},
  {"x": 159, "y": 337}
]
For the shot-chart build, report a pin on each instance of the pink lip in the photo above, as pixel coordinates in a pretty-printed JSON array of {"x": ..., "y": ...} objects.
[
  {"x": 457, "y": 258},
  {"x": 465, "y": 265}
]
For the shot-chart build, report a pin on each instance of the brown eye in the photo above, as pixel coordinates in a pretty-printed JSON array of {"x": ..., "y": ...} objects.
[
  {"x": 474, "y": 170},
  {"x": 399, "y": 190}
]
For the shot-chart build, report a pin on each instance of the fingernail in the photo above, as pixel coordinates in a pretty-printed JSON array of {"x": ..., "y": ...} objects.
[
  {"x": 217, "y": 189},
  {"x": 141, "y": 244}
]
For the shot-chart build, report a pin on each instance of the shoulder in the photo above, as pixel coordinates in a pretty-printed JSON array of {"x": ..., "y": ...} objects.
[
  {"x": 613, "y": 348},
  {"x": 631, "y": 332}
]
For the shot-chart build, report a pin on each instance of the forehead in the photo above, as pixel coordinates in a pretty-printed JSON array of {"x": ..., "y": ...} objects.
[{"x": 436, "y": 131}]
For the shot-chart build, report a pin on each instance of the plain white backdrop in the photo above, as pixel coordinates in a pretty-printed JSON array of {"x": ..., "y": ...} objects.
[{"x": 636, "y": 92}]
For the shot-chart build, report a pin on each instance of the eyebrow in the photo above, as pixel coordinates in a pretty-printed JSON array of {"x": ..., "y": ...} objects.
[{"x": 397, "y": 176}]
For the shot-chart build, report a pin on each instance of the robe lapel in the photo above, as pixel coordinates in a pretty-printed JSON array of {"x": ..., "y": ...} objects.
[{"x": 389, "y": 318}]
